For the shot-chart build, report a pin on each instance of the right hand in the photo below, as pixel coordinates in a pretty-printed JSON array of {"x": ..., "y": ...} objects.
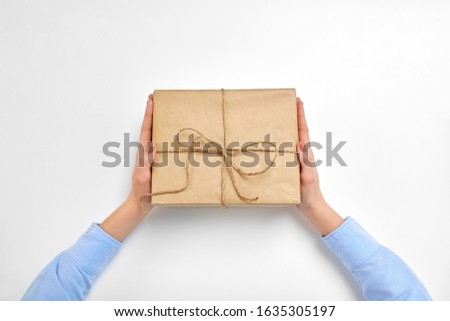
[{"x": 313, "y": 204}]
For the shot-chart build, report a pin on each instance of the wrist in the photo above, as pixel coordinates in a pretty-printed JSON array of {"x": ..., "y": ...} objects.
[
  {"x": 315, "y": 207},
  {"x": 124, "y": 219},
  {"x": 321, "y": 215},
  {"x": 133, "y": 205}
]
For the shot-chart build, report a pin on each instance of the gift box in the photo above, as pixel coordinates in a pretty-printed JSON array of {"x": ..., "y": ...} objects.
[{"x": 225, "y": 147}]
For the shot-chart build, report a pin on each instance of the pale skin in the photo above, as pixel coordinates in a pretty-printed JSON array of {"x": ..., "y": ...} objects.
[
  {"x": 125, "y": 218},
  {"x": 313, "y": 205}
]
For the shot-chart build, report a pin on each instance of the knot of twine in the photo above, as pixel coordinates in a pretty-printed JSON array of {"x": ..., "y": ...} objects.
[{"x": 227, "y": 161}]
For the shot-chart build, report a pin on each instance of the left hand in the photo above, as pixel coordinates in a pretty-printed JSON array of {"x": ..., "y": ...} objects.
[
  {"x": 125, "y": 218},
  {"x": 142, "y": 175}
]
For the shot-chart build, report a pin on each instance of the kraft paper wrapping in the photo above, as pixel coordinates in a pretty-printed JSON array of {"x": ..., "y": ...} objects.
[{"x": 237, "y": 116}]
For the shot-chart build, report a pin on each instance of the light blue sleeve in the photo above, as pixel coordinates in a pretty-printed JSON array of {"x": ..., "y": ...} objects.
[
  {"x": 69, "y": 276},
  {"x": 380, "y": 273}
]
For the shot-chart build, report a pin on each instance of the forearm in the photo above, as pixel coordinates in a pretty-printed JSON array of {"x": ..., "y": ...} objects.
[
  {"x": 70, "y": 275},
  {"x": 124, "y": 219},
  {"x": 381, "y": 274},
  {"x": 321, "y": 216}
]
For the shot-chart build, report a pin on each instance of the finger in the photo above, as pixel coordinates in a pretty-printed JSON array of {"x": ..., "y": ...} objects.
[
  {"x": 145, "y": 156},
  {"x": 146, "y": 128},
  {"x": 303, "y": 132},
  {"x": 151, "y": 154},
  {"x": 305, "y": 156}
]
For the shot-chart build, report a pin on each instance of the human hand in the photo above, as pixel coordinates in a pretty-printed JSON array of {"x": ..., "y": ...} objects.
[
  {"x": 313, "y": 204},
  {"x": 142, "y": 175},
  {"x": 125, "y": 218}
]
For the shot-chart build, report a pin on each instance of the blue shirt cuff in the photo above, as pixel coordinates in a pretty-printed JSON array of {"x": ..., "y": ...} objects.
[{"x": 351, "y": 244}]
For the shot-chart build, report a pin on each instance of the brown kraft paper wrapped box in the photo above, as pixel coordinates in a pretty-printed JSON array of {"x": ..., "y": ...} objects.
[{"x": 240, "y": 145}]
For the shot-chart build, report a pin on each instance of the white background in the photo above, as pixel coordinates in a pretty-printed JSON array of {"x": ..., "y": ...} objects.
[{"x": 76, "y": 74}]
